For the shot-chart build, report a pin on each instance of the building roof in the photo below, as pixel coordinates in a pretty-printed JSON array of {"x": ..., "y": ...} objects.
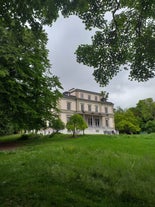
[
  {"x": 67, "y": 94},
  {"x": 81, "y": 90}
]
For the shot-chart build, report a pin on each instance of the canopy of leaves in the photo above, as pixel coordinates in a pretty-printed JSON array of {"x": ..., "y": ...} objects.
[
  {"x": 126, "y": 39},
  {"x": 126, "y": 122},
  {"x": 145, "y": 111},
  {"x": 57, "y": 125},
  {"x": 75, "y": 123},
  {"x": 142, "y": 116},
  {"x": 28, "y": 91},
  {"x": 150, "y": 126}
]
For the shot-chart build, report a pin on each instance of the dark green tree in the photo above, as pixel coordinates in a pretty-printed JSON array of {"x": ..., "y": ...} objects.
[
  {"x": 57, "y": 125},
  {"x": 124, "y": 40},
  {"x": 76, "y": 123},
  {"x": 126, "y": 121},
  {"x": 150, "y": 126},
  {"x": 28, "y": 90},
  {"x": 145, "y": 111}
]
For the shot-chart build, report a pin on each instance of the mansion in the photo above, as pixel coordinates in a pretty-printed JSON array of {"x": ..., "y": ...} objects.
[{"x": 97, "y": 112}]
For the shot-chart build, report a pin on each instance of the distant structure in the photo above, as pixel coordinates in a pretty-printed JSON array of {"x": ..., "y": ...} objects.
[{"x": 97, "y": 111}]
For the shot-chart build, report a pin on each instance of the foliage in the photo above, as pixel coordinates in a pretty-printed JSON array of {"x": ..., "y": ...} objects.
[
  {"x": 104, "y": 96},
  {"x": 142, "y": 116},
  {"x": 126, "y": 121},
  {"x": 150, "y": 126},
  {"x": 93, "y": 170},
  {"x": 31, "y": 136},
  {"x": 75, "y": 123},
  {"x": 124, "y": 39},
  {"x": 57, "y": 124},
  {"x": 28, "y": 89},
  {"x": 145, "y": 111}
]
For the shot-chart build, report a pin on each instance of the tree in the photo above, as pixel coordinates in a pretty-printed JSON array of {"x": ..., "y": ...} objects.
[
  {"x": 28, "y": 90},
  {"x": 75, "y": 123},
  {"x": 126, "y": 122},
  {"x": 57, "y": 125},
  {"x": 125, "y": 40},
  {"x": 150, "y": 126},
  {"x": 145, "y": 111},
  {"x": 104, "y": 96}
]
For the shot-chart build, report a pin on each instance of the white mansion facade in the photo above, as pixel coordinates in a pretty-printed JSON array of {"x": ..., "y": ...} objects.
[{"x": 98, "y": 113}]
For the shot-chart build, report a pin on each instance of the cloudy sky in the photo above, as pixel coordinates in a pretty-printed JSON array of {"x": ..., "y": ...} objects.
[{"x": 64, "y": 37}]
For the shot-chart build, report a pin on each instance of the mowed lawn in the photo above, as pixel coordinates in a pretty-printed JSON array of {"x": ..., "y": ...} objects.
[{"x": 87, "y": 171}]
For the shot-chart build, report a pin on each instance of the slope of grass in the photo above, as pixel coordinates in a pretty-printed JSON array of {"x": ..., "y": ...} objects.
[{"x": 91, "y": 170}]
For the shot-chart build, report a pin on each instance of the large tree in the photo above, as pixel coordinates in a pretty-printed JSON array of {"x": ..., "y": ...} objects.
[
  {"x": 145, "y": 111},
  {"x": 125, "y": 38},
  {"x": 27, "y": 88},
  {"x": 126, "y": 121},
  {"x": 29, "y": 93}
]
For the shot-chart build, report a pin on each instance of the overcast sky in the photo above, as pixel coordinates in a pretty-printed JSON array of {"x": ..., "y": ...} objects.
[{"x": 64, "y": 37}]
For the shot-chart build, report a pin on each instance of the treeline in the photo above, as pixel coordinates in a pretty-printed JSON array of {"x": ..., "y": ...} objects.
[{"x": 139, "y": 119}]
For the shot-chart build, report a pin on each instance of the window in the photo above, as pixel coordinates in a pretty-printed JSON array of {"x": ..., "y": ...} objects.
[
  {"x": 67, "y": 118},
  {"x": 96, "y": 108},
  {"x": 90, "y": 121},
  {"x": 89, "y": 97},
  {"x": 68, "y": 105},
  {"x": 89, "y": 107},
  {"x": 106, "y": 110},
  {"x": 97, "y": 122},
  {"x": 96, "y": 99},
  {"x": 82, "y": 107},
  {"x": 107, "y": 123},
  {"x": 81, "y": 95}
]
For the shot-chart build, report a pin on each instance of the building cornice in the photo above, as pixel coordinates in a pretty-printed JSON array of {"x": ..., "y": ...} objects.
[
  {"x": 84, "y": 91},
  {"x": 86, "y": 100}
]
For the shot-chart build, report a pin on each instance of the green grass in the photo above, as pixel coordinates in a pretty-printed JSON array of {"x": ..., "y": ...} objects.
[{"x": 88, "y": 171}]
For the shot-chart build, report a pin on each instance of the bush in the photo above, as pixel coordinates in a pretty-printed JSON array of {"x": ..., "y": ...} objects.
[{"x": 29, "y": 136}]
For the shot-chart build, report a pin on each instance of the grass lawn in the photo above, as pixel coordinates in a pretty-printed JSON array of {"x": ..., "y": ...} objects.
[{"x": 88, "y": 171}]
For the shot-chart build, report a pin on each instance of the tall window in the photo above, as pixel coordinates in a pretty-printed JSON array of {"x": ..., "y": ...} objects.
[
  {"x": 89, "y": 107},
  {"x": 89, "y": 97},
  {"x": 90, "y": 121},
  {"x": 68, "y": 105},
  {"x": 67, "y": 118},
  {"x": 96, "y": 98},
  {"x": 107, "y": 123},
  {"x": 97, "y": 122},
  {"x": 82, "y": 107},
  {"x": 81, "y": 95},
  {"x": 96, "y": 108},
  {"x": 106, "y": 110}
]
